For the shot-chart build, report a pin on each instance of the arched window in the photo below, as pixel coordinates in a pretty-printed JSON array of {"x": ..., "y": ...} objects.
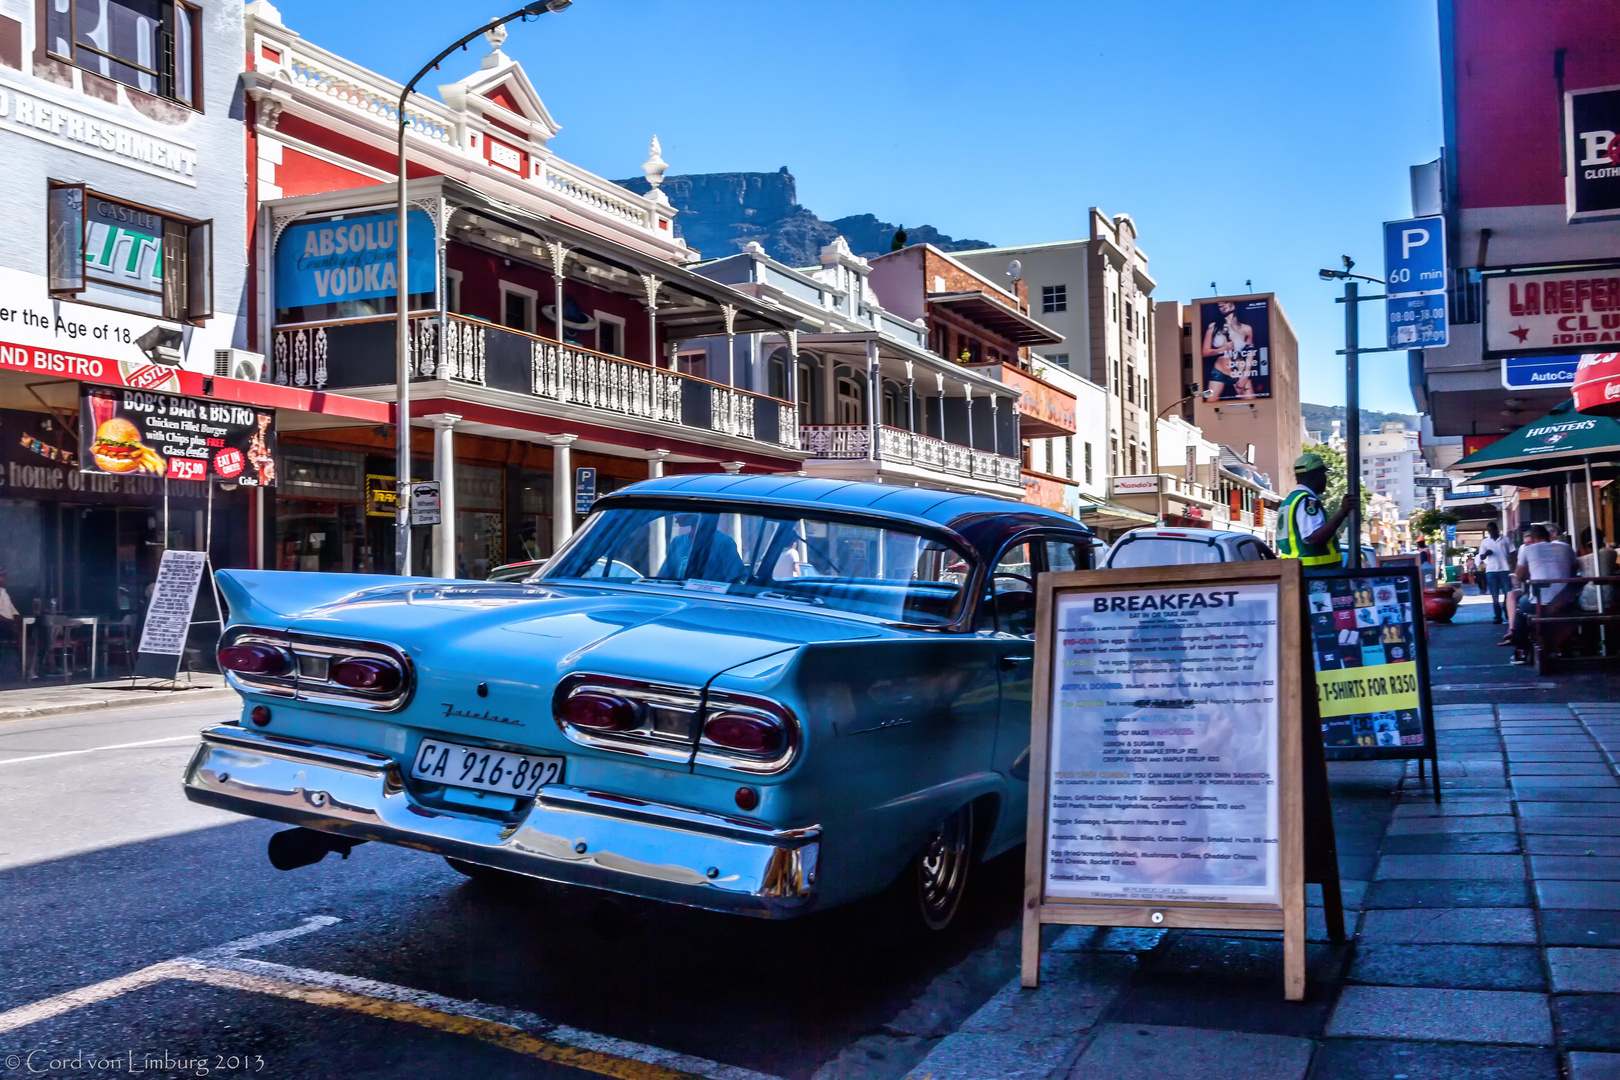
[
  {"x": 850, "y": 386},
  {"x": 777, "y": 369}
]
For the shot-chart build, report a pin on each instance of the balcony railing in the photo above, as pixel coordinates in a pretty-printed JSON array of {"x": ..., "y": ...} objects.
[
  {"x": 477, "y": 353},
  {"x": 854, "y": 442}
]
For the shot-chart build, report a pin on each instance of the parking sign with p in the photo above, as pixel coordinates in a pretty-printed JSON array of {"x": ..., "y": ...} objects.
[{"x": 1415, "y": 256}]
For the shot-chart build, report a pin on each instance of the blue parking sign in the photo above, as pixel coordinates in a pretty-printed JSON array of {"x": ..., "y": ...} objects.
[
  {"x": 1415, "y": 256},
  {"x": 1417, "y": 322},
  {"x": 584, "y": 490}
]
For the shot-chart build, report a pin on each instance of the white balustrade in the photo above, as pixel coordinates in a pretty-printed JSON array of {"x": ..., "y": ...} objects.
[
  {"x": 840, "y": 441},
  {"x": 731, "y": 412},
  {"x": 576, "y": 376}
]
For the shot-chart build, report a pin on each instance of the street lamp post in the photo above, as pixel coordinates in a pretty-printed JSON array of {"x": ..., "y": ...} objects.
[
  {"x": 1202, "y": 395},
  {"x": 402, "y": 315},
  {"x": 1352, "y": 393}
]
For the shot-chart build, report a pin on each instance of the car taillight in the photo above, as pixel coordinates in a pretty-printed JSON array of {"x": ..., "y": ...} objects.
[
  {"x": 254, "y": 659},
  {"x": 360, "y": 673},
  {"x": 600, "y": 712},
  {"x": 745, "y": 732}
]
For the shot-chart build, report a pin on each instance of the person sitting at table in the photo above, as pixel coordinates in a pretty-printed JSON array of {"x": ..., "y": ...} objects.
[
  {"x": 1543, "y": 559},
  {"x": 11, "y": 627}
]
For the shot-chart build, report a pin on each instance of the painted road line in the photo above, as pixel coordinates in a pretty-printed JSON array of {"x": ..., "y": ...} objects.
[
  {"x": 498, "y": 1015},
  {"x": 98, "y": 749},
  {"x": 135, "y": 980}
]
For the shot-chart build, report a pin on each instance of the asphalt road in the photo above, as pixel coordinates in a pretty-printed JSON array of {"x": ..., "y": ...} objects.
[{"x": 132, "y": 902}]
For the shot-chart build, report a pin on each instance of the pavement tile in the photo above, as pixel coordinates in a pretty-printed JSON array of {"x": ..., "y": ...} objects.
[
  {"x": 1232, "y": 982},
  {"x": 1155, "y": 1052},
  {"x": 1586, "y": 1065},
  {"x": 1574, "y": 787},
  {"x": 1459, "y": 926},
  {"x": 1447, "y": 893},
  {"x": 1357, "y": 867},
  {"x": 1585, "y": 971},
  {"x": 1423, "y": 806},
  {"x": 1600, "y": 846},
  {"x": 1409, "y": 867},
  {"x": 1592, "y": 808},
  {"x": 1382, "y": 1059},
  {"x": 1546, "y": 742},
  {"x": 1595, "y": 767},
  {"x": 1571, "y": 826},
  {"x": 1074, "y": 990},
  {"x": 967, "y": 1056},
  {"x": 1590, "y": 895},
  {"x": 1411, "y": 1012},
  {"x": 1351, "y": 892},
  {"x": 1575, "y": 867},
  {"x": 1462, "y": 967},
  {"x": 1578, "y": 927},
  {"x": 1119, "y": 939},
  {"x": 1460, "y": 826},
  {"x": 1502, "y": 843},
  {"x": 1588, "y": 1021},
  {"x": 1553, "y": 756}
]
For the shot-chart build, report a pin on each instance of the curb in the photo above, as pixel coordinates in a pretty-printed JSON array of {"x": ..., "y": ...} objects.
[{"x": 28, "y": 712}]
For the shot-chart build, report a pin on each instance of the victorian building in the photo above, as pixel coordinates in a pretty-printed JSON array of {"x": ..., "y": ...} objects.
[{"x": 548, "y": 314}]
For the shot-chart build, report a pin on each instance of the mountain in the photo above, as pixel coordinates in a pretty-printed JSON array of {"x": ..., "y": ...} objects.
[
  {"x": 1321, "y": 417},
  {"x": 721, "y": 212}
]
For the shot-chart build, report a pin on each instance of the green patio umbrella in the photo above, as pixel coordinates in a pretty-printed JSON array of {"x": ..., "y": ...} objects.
[{"x": 1562, "y": 439}]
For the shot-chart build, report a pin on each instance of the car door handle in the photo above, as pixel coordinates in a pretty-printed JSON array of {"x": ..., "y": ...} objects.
[{"x": 1010, "y": 662}]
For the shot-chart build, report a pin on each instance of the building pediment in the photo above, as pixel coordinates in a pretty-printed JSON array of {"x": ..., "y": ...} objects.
[{"x": 502, "y": 93}]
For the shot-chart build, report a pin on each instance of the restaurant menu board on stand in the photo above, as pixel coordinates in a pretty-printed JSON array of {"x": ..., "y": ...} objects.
[
  {"x": 168, "y": 614},
  {"x": 177, "y": 438},
  {"x": 1369, "y": 650},
  {"x": 1166, "y": 757}
]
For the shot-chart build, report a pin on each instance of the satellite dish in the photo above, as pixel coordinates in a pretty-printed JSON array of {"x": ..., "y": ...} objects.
[{"x": 1015, "y": 268}]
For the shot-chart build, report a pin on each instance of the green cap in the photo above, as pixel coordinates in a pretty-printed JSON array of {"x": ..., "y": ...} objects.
[{"x": 1309, "y": 463}]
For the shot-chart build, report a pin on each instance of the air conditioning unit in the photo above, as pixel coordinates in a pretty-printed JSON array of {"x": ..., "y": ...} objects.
[{"x": 239, "y": 364}]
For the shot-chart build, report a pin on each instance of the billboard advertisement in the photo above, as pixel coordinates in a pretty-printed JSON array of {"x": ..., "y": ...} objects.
[
  {"x": 1236, "y": 341},
  {"x": 352, "y": 258},
  {"x": 1592, "y": 182},
  {"x": 178, "y": 438}
]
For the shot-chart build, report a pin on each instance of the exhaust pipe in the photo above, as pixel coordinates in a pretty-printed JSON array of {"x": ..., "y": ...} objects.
[{"x": 292, "y": 848}]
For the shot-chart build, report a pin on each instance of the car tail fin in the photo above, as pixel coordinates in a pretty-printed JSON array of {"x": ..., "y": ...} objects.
[{"x": 268, "y": 596}]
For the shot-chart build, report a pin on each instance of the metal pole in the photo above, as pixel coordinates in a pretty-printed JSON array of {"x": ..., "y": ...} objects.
[
  {"x": 1352, "y": 419},
  {"x": 402, "y": 367}
]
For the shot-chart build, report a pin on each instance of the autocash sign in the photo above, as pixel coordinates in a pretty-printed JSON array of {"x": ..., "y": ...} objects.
[
  {"x": 1552, "y": 311},
  {"x": 1592, "y": 136}
]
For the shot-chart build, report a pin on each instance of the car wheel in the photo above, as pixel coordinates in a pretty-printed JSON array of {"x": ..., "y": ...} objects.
[{"x": 942, "y": 870}]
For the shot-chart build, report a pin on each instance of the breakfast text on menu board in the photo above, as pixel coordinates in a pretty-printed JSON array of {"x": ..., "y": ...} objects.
[{"x": 1163, "y": 749}]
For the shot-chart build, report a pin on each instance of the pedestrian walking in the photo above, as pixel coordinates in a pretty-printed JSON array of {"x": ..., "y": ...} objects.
[{"x": 1496, "y": 562}]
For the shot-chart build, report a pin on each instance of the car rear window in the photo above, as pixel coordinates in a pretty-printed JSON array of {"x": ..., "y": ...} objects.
[{"x": 1163, "y": 551}]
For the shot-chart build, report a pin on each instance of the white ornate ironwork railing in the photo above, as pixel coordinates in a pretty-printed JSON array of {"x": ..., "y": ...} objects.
[
  {"x": 731, "y": 412},
  {"x": 578, "y": 376},
  {"x": 842, "y": 441},
  {"x": 853, "y": 441},
  {"x": 787, "y": 426}
]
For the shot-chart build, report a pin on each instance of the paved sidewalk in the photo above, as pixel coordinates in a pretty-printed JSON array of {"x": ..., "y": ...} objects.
[
  {"x": 44, "y": 698},
  {"x": 1486, "y": 938}
]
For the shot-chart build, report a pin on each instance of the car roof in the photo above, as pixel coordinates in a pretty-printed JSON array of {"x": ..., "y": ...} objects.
[
  {"x": 980, "y": 519},
  {"x": 1207, "y": 535}
]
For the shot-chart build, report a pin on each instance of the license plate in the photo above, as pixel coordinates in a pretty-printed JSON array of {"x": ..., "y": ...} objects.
[{"x": 484, "y": 769}]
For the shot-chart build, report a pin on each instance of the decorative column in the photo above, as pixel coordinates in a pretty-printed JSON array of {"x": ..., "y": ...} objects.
[
  {"x": 730, "y": 314},
  {"x": 651, "y": 285},
  {"x": 967, "y": 388},
  {"x": 941, "y": 378},
  {"x": 995, "y": 428},
  {"x": 793, "y": 374},
  {"x": 562, "y": 489},
  {"x": 911, "y": 399},
  {"x": 559, "y": 261},
  {"x": 873, "y": 381},
  {"x": 444, "y": 471},
  {"x": 733, "y": 467},
  {"x": 655, "y": 463}
]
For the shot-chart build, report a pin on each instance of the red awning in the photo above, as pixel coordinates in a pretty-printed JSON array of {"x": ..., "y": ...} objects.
[{"x": 1597, "y": 384}]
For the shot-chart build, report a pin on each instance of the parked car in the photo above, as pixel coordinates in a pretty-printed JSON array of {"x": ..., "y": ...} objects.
[
  {"x": 809, "y": 691},
  {"x": 516, "y": 571},
  {"x": 1152, "y": 546}
]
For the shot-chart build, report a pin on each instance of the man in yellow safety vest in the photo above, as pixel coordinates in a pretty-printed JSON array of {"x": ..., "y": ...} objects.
[{"x": 1304, "y": 531}]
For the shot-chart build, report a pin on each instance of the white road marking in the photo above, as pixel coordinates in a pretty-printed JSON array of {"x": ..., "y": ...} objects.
[
  {"x": 98, "y": 749},
  {"x": 224, "y": 966}
]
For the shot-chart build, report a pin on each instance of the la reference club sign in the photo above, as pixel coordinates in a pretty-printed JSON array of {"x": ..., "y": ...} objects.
[{"x": 1553, "y": 310}]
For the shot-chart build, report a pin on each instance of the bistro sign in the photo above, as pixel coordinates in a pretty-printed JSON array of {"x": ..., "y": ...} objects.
[{"x": 1552, "y": 310}]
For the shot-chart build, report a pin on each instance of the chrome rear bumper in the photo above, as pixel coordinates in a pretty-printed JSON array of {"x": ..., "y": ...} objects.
[{"x": 568, "y": 835}]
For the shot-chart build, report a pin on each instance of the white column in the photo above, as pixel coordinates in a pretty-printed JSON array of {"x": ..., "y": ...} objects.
[
  {"x": 562, "y": 489},
  {"x": 650, "y": 286},
  {"x": 655, "y": 463},
  {"x": 733, "y": 467},
  {"x": 444, "y": 471},
  {"x": 730, "y": 314},
  {"x": 995, "y": 427},
  {"x": 874, "y": 382},
  {"x": 940, "y": 378}
]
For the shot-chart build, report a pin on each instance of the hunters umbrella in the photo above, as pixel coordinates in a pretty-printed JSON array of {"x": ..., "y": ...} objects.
[{"x": 1561, "y": 439}]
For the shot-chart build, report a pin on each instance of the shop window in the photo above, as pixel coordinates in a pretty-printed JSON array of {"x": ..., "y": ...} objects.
[
  {"x": 517, "y": 307},
  {"x": 152, "y": 45},
  {"x": 1054, "y": 299},
  {"x": 609, "y": 334},
  {"x": 129, "y": 257}
]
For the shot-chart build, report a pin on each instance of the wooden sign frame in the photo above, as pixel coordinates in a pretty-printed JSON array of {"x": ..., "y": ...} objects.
[{"x": 1288, "y": 915}]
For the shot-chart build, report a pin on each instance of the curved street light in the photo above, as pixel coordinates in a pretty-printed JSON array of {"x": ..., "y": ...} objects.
[
  {"x": 402, "y": 315},
  {"x": 1202, "y": 395}
]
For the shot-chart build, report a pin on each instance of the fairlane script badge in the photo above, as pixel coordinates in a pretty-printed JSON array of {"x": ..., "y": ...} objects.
[{"x": 451, "y": 710}]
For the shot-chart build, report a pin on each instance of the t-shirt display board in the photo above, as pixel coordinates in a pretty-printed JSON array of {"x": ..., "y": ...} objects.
[
  {"x": 1370, "y": 653},
  {"x": 1167, "y": 759}
]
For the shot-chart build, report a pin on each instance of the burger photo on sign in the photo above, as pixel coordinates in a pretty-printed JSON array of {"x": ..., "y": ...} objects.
[{"x": 117, "y": 447}]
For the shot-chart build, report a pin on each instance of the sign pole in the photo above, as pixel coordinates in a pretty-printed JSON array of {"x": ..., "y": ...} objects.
[{"x": 1352, "y": 417}]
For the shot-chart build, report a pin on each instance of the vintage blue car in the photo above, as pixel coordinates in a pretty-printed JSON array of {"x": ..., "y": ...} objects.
[{"x": 766, "y": 695}]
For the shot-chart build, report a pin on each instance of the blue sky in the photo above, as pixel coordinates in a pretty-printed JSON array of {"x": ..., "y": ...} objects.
[{"x": 1255, "y": 143}]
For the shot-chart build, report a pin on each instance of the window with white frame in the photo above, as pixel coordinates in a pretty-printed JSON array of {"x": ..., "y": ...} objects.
[
  {"x": 609, "y": 334},
  {"x": 517, "y": 307},
  {"x": 1061, "y": 359},
  {"x": 154, "y": 46},
  {"x": 1054, "y": 299}
]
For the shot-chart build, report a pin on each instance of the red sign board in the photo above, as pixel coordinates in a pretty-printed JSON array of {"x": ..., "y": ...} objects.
[{"x": 1597, "y": 384}]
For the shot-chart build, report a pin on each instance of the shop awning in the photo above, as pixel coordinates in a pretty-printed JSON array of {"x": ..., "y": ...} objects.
[
  {"x": 1562, "y": 439},
  {"x": 998, "y": 318}
]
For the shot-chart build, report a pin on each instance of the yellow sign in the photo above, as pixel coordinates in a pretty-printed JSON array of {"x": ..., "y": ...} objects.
[
  {"x": 1382, "y": 688},
  {"x": 381, "y": 498}
]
